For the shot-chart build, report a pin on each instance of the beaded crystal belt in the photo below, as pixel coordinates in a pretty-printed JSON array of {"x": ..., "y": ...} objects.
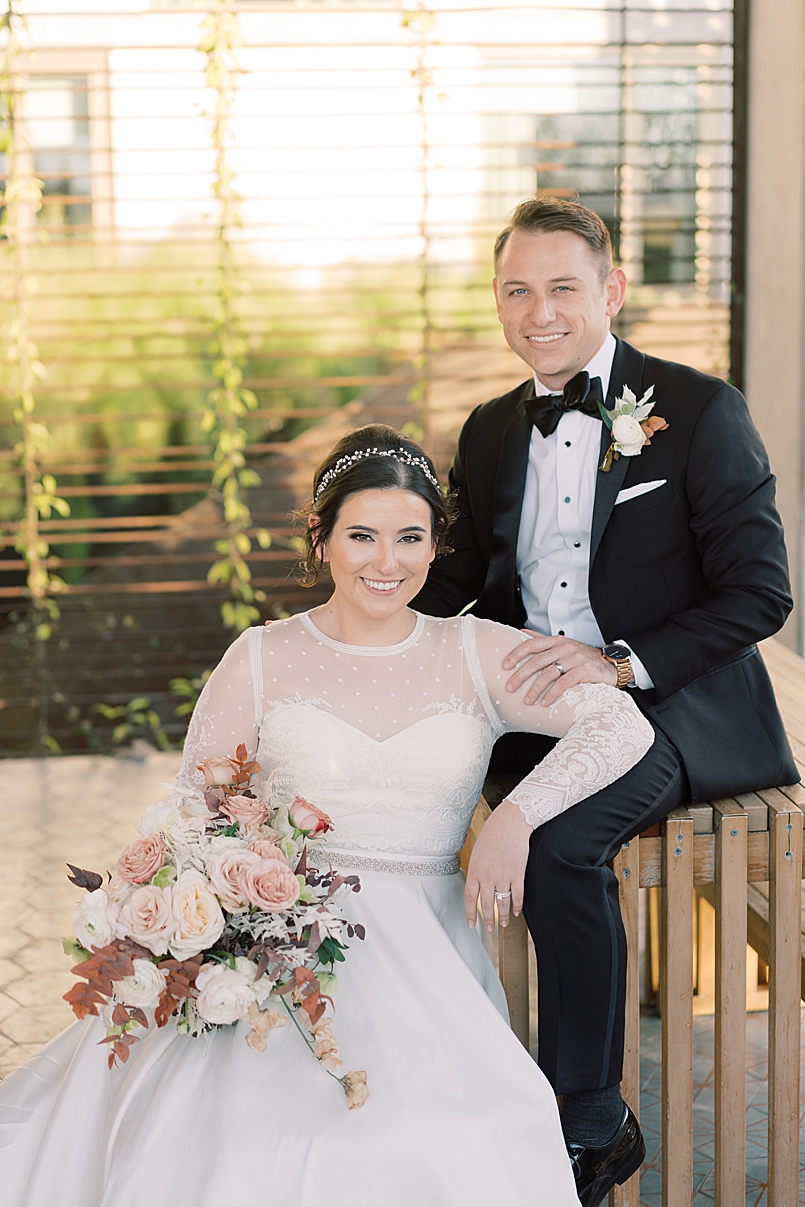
[{"x": 426, "y": 866}]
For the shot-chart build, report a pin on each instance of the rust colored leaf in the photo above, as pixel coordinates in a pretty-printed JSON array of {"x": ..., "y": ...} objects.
[
  {"x": 314, "y": 942},
  {"x": 241, "y": 753},
  {"x": 84, "y": 1000},
  {"x": 111, "y": 1059},
  {"x": 120, "y": 1015},
  {"x": 139, "y": 1016},
  {"x": 81, "y": 878}
]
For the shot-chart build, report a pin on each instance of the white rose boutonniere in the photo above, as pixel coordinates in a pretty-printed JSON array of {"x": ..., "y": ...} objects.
[{"x": 631, "y": 425}]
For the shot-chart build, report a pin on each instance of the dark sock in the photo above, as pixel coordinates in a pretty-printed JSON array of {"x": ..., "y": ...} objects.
[{"x": 592, "y": 1117}]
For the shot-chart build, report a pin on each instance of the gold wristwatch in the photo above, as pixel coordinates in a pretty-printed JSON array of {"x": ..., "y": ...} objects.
[{"x": 621, "y": 658}]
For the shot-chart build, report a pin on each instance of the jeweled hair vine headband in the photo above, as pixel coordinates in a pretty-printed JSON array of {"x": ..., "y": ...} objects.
[{"x": 397, "y": 454}]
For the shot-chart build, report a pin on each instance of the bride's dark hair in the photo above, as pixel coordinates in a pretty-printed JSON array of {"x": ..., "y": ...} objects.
[{"x": 375, "y": 457}]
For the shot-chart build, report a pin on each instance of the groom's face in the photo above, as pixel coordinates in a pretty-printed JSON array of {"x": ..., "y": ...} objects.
[{"x": 554, "y": 301}]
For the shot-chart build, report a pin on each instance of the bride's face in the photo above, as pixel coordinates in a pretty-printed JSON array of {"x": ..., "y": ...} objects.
[{"x": 380, "y": 549}]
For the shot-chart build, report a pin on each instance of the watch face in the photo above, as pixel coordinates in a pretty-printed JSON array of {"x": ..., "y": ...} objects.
[{"x": 616, "y": 652}]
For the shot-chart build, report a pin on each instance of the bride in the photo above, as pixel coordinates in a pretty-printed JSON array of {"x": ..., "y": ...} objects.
[{"x": 385, "y": 719}]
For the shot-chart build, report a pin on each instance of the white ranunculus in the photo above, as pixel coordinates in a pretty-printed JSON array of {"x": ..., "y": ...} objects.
[
  {"x": 224, "y": 995},
  {"x": 143, "y": 988},
  {"x": 160, "y": 816},
  {"x": 95, "y": 920},
  {"x": 198, "y": 916},
  {"x": 262, "y": 987},
  {"x": 628, "y": 435}
]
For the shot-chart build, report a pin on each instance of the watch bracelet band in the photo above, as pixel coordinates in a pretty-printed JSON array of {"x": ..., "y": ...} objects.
[{"x": 624, "y": 668}]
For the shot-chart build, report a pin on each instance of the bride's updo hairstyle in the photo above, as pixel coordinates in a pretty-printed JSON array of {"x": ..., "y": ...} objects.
[{"x": 375, "y": 457}]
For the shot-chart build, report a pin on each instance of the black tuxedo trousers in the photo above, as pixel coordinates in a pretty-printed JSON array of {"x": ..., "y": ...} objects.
[
  {"x": 692, "y": 574},
  {"x": 572, "y": 910}
]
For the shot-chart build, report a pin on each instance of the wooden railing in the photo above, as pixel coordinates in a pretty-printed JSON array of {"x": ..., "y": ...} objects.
[{"x": 744, "y": 856}]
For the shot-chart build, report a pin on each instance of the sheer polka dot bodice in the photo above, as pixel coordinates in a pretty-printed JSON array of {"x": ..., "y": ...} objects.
[{"x": 393, "y": 741}]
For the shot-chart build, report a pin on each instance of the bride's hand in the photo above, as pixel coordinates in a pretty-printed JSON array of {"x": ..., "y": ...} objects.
[{"x": 497, "y": 864}]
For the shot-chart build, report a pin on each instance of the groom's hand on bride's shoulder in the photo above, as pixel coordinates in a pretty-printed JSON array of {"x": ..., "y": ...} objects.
[
  {"x": 555, "y": 663},
  {"x": 497, "y": 864}
]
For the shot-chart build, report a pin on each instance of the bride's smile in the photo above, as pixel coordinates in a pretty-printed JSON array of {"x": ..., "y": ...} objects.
[{"x": 378, "y": 553}]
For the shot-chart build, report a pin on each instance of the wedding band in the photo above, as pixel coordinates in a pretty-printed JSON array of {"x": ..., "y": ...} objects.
[
  {"x": 559, "y": 667},
  {"x": 503, "y": 896}
]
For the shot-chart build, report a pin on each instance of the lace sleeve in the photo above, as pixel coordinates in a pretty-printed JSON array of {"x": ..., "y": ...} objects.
[
  {"x": 225, "y": 714},
  {"x": 602, "y": 731}
]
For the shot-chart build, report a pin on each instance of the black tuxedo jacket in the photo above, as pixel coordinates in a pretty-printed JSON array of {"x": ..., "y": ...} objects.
[{"x": 691, "y": 574}]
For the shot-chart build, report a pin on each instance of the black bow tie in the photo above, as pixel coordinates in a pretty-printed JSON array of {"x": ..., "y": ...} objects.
[{"x": 580, "y": 394}]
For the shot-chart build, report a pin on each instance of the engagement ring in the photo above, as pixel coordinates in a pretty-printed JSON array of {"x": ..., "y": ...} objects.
[{"x": 503, "y": 896}]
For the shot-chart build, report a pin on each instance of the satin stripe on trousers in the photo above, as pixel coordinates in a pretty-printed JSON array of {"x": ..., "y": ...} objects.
[{"x": 572, "y": 910}]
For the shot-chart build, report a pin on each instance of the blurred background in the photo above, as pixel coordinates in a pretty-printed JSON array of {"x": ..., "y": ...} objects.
[{"x": 232, "y": 231}]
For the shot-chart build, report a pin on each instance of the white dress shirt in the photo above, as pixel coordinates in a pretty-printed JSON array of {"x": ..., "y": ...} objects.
[{"x": 553, "y": 543}]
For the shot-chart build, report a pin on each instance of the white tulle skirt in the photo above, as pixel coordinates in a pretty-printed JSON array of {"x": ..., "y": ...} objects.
[{"x": 459, "y": 1115}]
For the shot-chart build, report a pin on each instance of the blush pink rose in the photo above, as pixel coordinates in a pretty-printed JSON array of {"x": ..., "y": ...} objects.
[
  {"x": 267, "y": 849},
  {"x": 246, "y": 810},
  {"x": 141, "y": 859},
  {"x": 308, "y": 817},
  {"x": 270, "y": 885},
  {"x": 217, "y": 771},
  {"x": 225, "y": 871}
]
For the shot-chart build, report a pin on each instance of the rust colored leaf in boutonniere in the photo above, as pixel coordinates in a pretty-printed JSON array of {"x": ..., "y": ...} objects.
[
  {"x": 654, "y": 423},
  {"x": 630, "y": 426}
]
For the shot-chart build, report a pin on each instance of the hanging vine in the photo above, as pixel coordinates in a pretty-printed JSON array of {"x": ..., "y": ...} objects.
[
  {"x": 229, "y": 401},
  {"x": 420, "y": 21},
  {"x": 21, "y": 200}
]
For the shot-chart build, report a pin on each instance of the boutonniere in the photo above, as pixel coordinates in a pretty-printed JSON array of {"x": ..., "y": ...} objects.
[{"x": 631, "y": 425}]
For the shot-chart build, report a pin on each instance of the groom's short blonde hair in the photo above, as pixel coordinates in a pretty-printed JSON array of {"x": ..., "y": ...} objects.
[{"x": 555, "y": 214}]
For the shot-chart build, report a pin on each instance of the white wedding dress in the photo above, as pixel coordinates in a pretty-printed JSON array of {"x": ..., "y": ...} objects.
[{"x": 393, "y": 744}]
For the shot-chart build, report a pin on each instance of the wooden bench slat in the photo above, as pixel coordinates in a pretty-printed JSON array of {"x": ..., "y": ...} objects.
[
  {"x": 731, "y": 841},
  {"x": 676, "y": 993}
]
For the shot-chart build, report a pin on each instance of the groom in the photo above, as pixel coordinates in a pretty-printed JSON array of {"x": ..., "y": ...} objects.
[{"x": 649, "y": 557}]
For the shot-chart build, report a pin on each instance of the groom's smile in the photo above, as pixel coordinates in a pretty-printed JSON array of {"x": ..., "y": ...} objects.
[{"x": 555, "y": 299}]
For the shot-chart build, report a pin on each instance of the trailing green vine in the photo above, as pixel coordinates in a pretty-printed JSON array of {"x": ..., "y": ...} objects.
[
  {"x": 21, "y": 200},
  {"x": 229, "y": 401}
]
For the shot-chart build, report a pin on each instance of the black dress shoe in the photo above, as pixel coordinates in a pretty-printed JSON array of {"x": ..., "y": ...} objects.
[{"x": 597, "y": 1170}]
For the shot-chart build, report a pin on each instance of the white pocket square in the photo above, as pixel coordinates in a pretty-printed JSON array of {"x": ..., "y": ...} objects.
[{"x": 642, "y": 488}]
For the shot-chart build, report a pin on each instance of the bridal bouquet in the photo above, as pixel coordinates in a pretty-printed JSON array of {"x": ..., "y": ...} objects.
[{"x": 213, "y": 917}]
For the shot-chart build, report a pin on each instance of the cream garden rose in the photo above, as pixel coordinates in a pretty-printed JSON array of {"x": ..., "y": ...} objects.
[
  {"x": 628, "y": 435},
  {"x": 224, "y": 995},
  {"x": 198, "y": 917},
  {"x": 143, "y": 988},
  {"x": 147, "y": 917},
  {"x": 95, "y": 921}
]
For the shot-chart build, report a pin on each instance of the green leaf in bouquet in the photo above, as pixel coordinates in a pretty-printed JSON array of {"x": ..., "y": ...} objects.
[
  {"x": 165, "y": 876},
  {"x": 75, "y": 951}
]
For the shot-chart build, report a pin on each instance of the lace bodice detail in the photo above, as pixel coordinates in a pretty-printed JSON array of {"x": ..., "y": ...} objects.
[{"x": 393, "y": 742}]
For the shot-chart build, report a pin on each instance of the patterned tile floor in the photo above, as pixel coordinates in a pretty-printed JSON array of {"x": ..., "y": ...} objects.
[
  {"x": 84, "y": 808},
  {"x": 756, "y": 1112}
]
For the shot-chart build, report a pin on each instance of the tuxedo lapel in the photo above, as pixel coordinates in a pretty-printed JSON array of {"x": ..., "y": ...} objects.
[
  {"x": 508, "y": 503},
  {"x": 627, "y": 369}
]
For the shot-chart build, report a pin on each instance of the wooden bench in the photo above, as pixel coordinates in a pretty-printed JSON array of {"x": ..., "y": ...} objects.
[{"x": 744, "y": 855}]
